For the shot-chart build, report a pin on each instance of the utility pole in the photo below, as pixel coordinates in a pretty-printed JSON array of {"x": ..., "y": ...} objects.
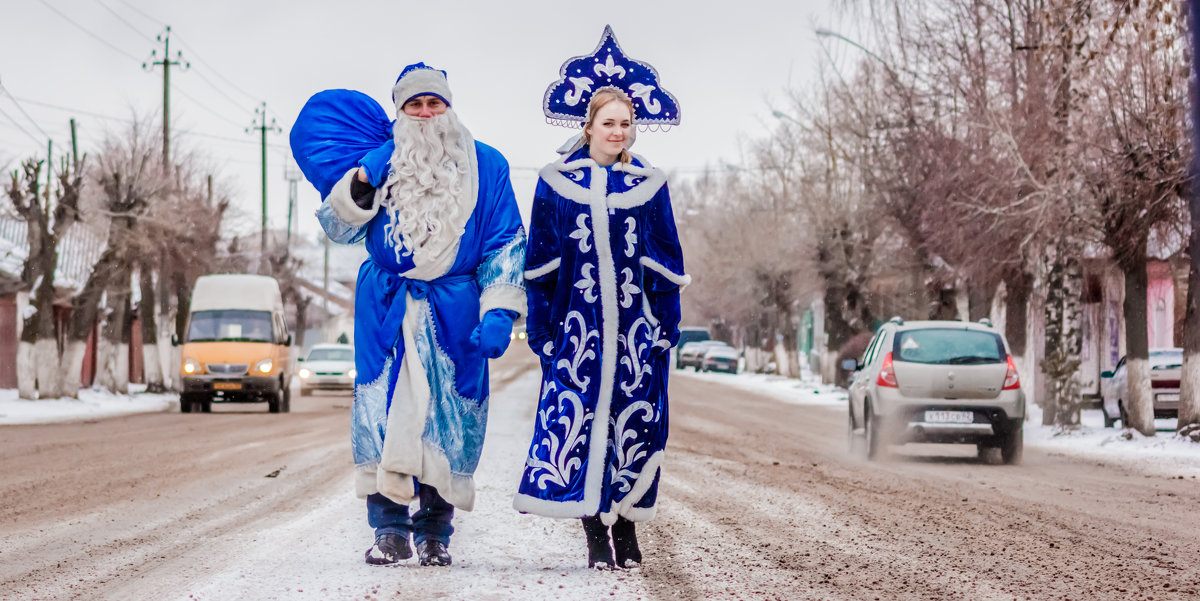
[
  {"x": 291, "y": 172},
  {"x": 260, "y": 123},
  {"x": 166, "y": 62}
]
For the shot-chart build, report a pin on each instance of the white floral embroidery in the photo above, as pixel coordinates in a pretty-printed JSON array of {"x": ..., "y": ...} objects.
[
  {"x": 641, "y": 90},
  {"x": 610, "y": 69},
  {"x": 583, "y": 233},
  {"x": 588, "y": 283},
  {"x": 580, "y": 86},
  {"x": 581, "y": 353},
  {"x": 628, "y": 289},
  {"x": 630, "y": 236},
  {"x": 562, "y": 466},
  {"x": 632, "y": 361},
  {"x": 622, "y": 469}
]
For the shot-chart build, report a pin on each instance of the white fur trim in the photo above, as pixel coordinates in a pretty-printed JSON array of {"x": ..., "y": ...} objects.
[
  {"x": 606, "y": 267},
  {"x": 551, "y": 509},
  {"x": 419, "y": 82},
  {"x": 555, "y": 176},
  {"x": 645, "y": 479},
  {"x": 534, "y": 274},
  {"x": 343, "y": 203},
  {"x": 679, "y": 280},
  {"x": 503, "y": 296}
]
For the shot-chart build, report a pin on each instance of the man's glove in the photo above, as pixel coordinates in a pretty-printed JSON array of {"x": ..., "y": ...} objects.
[
  {"x": 494, "y": 332},
  {"x": 375, "y": 163}
]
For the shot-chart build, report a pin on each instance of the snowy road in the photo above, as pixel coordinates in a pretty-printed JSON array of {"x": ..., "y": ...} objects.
[{"x": 759, "y": 501}]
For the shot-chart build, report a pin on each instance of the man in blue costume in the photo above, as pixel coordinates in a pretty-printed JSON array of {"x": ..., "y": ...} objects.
[{"x": 436, "y": 298}]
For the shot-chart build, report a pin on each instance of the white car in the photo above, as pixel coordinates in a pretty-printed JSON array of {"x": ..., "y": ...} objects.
[
  {"x": 1166, "y": 365},
  {"x": 327, "y": 367},
  {"x": 720, "y": 358}
]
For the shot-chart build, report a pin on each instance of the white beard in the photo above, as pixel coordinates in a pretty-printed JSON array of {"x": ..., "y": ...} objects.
[{"x": 429, "y": 168}]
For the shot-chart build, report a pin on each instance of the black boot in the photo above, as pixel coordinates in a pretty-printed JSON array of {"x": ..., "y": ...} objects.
[
  {"x": 433, "y": 553},
  {"x": 625, "y": 544},
  {"x": 600, "y": 555},
  {"x": 389, "y": 549}
]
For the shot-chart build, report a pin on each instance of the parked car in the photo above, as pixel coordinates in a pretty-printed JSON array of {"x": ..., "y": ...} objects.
[
  {"x": 327, "y": 367},
  {"x": 939, "y": 382},
  {"x": 692, "y": 353},
  {"x": 686, "y": 335},
  {"x": 720, "y": 358},
  {"x": 1166, "y": 365}
]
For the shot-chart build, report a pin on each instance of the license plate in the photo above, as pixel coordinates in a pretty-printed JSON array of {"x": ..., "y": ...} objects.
[
  {"x": 1168, "y": 398},
  {"x": 949, "y": 417},
  {"x": 227, "y": 385}
]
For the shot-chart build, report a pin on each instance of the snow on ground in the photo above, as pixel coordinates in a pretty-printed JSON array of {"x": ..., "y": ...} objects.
[
  {"x": 91, "y": 404},
  {"x": 1163, "y": 454},
  {"x": 498, "y": 553}
]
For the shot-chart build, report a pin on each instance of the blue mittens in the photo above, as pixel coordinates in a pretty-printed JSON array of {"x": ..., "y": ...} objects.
[
  {"x": 375, "y": 163},
  {"x": 494, "y": 332}
]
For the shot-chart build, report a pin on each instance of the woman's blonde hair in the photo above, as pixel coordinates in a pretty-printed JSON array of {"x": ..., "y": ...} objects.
[{"x": 600, "y": 99}]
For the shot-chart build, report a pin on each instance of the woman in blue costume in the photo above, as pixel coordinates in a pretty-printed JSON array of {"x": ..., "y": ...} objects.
[
  {"x": 434, "y": 301},
  {"x": 603, "y": 272}
]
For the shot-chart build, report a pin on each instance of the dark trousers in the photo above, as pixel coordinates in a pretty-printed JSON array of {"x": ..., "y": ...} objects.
[{"x": 430, "y": 521}]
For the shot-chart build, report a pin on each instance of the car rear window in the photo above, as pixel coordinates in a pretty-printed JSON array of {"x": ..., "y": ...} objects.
[{"x": 948, "y": 347}]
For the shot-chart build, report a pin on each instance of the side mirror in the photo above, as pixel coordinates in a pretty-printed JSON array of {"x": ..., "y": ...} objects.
[
  {"x": 849, "y": 364},
  {"x": 300, "y": 359},
  {"x": 1106, "y": 374},
  {"x": 288, "y": 342},
  {"x": 174, "y": 340}
]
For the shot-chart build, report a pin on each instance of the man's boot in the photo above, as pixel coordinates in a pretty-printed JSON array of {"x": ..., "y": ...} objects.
[
  {"x": 625, "y": 544},
  {"x": 600, "y": 555},
  {"x": 433, "y": 552},
  {"x": 389, "y": 549}
]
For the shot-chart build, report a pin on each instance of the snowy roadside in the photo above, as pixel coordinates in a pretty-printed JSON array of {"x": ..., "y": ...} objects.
[
  {"x": 1164, "y": 454},
  {"x": 91, "y": 404}
]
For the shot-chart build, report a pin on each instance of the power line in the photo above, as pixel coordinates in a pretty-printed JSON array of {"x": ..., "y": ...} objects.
[
  {"x": 237, "y": 103},
  {"x": 140, "y": 12},
  {"x": 206, "y": 108},
  {"x": 85, "y": 30},
  {"x": 122, "y": 19},
  {"x": 4, "y": 90},
  {"x": 196, "y": 57},
  {"x": 18, "y": 125}
]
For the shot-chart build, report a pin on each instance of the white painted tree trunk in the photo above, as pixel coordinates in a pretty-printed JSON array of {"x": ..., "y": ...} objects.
[
  {"x": 49, "y": 376},
  {"x": 782, "y": 365},
  {"x": 72, "y": 377},
  {"x": 152, "y": 366},
  {"x": 1139, "y": 400},
  {"x": 26, "y": 371},
  {"x": 121, "y": 372},
  {"x": 106, "y": 365}
]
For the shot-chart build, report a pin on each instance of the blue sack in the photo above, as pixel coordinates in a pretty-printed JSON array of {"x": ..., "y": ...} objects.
[{"x": 333, "y": 131}]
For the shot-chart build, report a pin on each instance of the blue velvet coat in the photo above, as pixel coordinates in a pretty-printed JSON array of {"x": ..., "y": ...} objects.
[
  {"x": 603, "y": 273},
  {"x": 421, "y": 394}
]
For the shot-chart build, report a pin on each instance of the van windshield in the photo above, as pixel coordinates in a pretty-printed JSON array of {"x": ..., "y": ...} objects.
[{"x": 231, "y": 325}]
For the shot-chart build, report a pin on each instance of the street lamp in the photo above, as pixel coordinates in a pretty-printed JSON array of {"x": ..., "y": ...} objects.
[{"x": 825, "y": 33}]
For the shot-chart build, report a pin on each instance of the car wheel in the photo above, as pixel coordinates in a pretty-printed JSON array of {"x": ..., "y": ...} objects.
[
  {"x": 1108, "y": 421},
  {"x": 185, "y": 403},
  {"x": 287, "y": 399},
  {"x": 874, "y": 436},
  {"x": 206, "y": 405},
  {"x": 1123, "y": 415},
  {"x": 305, "y": 391},
  {"x": 1013, "y": 444},
  {"x": 275, "y": 402},
  {"x": 854, "y": 440}
]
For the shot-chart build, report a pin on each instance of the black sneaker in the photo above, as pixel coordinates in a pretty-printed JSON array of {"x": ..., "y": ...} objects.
[
  {"x": 389, "y": 549},
  {"x": 433, "y": 553}
]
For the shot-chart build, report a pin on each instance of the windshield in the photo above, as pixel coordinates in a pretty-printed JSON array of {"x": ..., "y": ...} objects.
[
  {"x": 231, "y": 325},
  {"x": 331, "y": 354},
  {"x": 949, "y": 347},
  {"x": 1172, "y": 359}
]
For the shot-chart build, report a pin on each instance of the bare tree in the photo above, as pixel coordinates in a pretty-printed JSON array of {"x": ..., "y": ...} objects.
[{"x": 38, "y": 361}]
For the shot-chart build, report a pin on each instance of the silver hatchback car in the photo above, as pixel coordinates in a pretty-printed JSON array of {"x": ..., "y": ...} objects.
[{"x": 939, "y": 382}]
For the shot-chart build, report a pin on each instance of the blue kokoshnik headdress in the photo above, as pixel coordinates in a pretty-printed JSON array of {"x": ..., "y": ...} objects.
[{"x": 566, "y": 100}]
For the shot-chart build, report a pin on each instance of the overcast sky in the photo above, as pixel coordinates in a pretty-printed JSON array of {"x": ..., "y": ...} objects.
[{"x": 725, "y": 61}]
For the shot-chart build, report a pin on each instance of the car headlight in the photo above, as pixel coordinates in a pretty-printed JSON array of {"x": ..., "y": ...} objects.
[
  {"x": 304, "y": 373},
  {"x": 264, "y": 366},
  {"x": 353, "y": 373},
  {"x": 191, "y": 366}
]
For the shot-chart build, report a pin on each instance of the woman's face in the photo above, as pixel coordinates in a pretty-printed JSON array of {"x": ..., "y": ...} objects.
[{"x": 609, "y": 132}]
